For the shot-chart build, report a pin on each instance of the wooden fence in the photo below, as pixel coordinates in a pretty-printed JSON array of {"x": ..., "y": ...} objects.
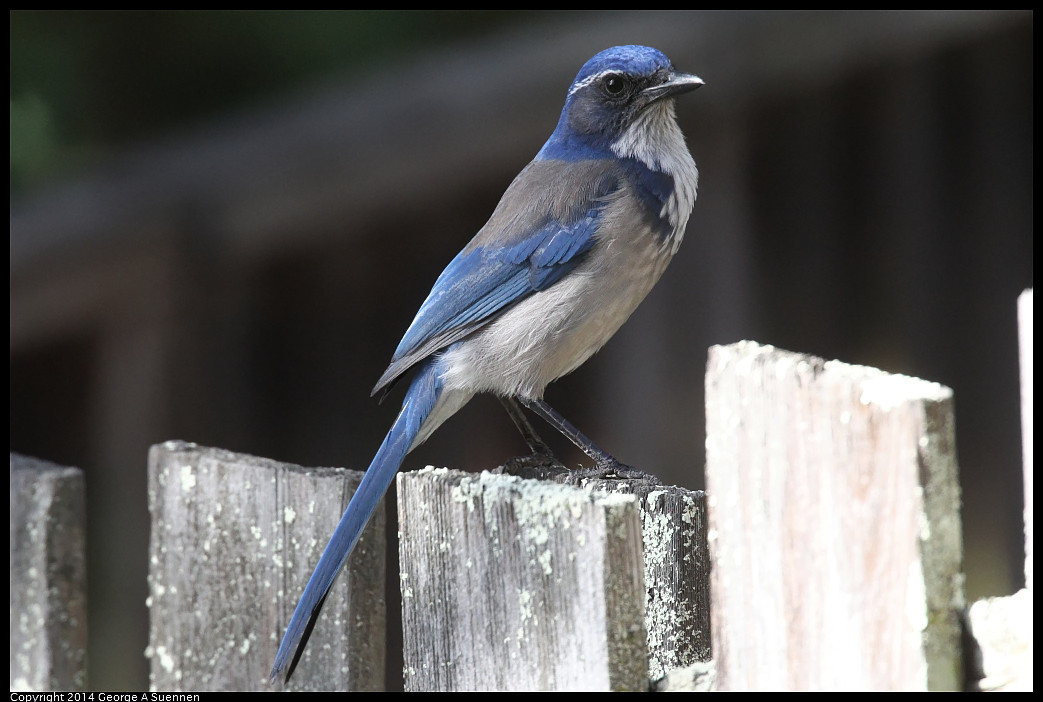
[{"x": 832, "y": 526}]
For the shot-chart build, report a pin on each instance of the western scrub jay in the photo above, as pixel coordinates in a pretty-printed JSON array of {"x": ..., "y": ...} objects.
[{"x": 577, "y": 241}]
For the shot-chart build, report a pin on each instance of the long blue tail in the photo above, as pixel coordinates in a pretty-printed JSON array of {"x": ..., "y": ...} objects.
[{"x": 420, "y": 399}]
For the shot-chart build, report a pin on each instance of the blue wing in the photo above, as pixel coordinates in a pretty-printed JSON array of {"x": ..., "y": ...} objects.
[{"x": 544, "y": 225}]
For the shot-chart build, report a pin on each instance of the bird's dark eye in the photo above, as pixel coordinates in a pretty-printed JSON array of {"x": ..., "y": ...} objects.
[{"x": 614, "y": 84}]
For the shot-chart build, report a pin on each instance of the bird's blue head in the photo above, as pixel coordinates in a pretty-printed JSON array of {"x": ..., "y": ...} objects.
[{"x": 610, "y": 94}]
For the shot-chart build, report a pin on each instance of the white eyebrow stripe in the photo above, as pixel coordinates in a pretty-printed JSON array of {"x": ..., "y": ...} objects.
[{"x": 588, "y": 80}]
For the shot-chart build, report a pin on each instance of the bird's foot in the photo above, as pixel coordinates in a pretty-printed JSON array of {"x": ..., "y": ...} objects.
[
  {"x": 609, "y": 468},
  {"x": 539, "y": 465}
]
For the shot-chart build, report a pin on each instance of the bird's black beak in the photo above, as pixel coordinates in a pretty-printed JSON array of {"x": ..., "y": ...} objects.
[{"x": 675, "y": 84}]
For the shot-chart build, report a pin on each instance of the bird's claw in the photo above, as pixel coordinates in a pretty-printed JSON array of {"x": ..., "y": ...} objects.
[{"x": 610, "y": 469}]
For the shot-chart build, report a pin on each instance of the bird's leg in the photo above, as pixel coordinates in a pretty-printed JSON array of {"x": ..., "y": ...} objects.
[
  {"x": 602, "y": 458},
  {"x": 606, "y": 465},
  {"x": 536, "y": 444}
]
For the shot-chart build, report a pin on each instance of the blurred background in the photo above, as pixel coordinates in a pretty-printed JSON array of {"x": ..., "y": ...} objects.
[{"x": 223, "y": 222}]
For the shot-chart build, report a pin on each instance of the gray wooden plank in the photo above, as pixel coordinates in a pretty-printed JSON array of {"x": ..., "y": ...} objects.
[{"x": 234, "y": 540}]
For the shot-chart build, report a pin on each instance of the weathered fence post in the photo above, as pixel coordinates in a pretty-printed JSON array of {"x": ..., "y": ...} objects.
[
  {"x": 834, "y": 525},
  {"x": 677, "y": 571},
  {"x": 512, "y": 584},
  {"x": 534, "y": 573},
  {"x": 1025, "y": 343},
  {"x": 234, "y": 540},
  {"x": 48, "y": 577}
]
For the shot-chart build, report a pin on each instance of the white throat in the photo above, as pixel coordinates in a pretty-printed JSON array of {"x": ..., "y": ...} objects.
[{"x": 655, "y": 140}]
